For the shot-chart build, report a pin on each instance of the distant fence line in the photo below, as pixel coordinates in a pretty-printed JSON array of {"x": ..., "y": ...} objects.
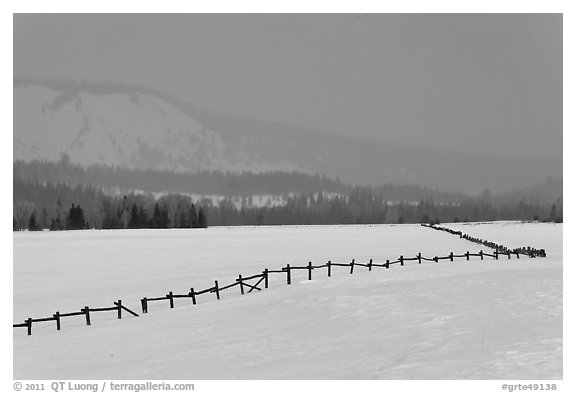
[
  {"x": 530, "y": 251},
  {"x": 248, "y": 284},
  {"x": 57, "y": 316}
]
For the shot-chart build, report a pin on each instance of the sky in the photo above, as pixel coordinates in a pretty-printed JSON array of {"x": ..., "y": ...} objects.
[{"x": 474, "y": 82}]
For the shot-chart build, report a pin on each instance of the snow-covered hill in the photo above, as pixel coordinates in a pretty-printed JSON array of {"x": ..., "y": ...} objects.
[
  {"x": 127, "y": 130},
  {"x": 137, "y": 127},
  {"x": 452, "y": 320}
]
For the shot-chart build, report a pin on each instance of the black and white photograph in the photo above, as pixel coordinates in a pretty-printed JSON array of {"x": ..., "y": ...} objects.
[{"x": 287, "y": 197}]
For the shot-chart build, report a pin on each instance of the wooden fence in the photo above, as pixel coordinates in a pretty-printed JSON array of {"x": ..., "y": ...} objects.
[
  {"x": 260, "y": 281},
  {"x": 530, "y": 251},
  {"x": 57, "y": 316}
]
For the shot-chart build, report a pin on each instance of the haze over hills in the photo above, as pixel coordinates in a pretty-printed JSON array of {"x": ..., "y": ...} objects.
[{"x": 135, "y": 127}]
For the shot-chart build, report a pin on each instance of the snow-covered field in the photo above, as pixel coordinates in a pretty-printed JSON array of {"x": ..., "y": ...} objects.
[{"x": 452, "y": 320}]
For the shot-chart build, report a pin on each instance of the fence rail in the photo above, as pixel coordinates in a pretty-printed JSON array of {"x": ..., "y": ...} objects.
[{"x": 57, "y": 316}]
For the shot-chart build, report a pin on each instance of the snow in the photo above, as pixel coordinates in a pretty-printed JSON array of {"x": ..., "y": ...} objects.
[
  {"x": 117, "y": 129},
  {"x": 452, "y": 320},
  {"x": 129, "y": 130}
]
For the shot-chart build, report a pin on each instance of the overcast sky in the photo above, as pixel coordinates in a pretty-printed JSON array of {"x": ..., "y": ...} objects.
[{"x": 477, "y": 82}]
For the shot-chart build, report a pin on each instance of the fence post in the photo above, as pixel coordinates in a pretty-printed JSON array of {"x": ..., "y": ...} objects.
[
  {"x": 170, "y": 297},
  {"x": 144, "y": 302},
  {"x": 119, "y": 309},
  {"x": 329, "y": 268},
  {"x": 401, "y": 260},
  {"x": 29, "y": 326},
  {"x": 87, "y": 312},
  {"x": 370, "y": 265},
  {"x": 193, "y": 295},
  {"x": 451, "y": 256},
  {"x": 266, "y": 278},
  {"x": 352, "y": 266},
  {"x": 419, "y": 258},
  {"x": 517, "y": 254},
  {"x": 496, "y": 254},
  {"x": 467, "y": 255},
  {"x": 309, "y": 270},
  {"x": 241, "y": 284},
  {"x": 387, "y": 263},
  {"x": 508, "y": 253},
  {"x": 216, "y": 289},
  {"x": 288, "y": 278},
  {"x": 57, "y": 316},
  {"x": 481, "y": 255}
]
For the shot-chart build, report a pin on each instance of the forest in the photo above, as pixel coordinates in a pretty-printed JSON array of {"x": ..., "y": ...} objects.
[
  {"x": 229, "y": 184},
  {"x": 59, "y": 206}
]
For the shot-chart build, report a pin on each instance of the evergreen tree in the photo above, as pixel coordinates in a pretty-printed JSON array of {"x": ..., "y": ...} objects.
[
  {"x": 32, "y": 224},
  {"x": 181, "y": 219},
  {"x": 156, "y": 220},
  {"x": 71, "y": 218},
  {"x": 134, "y": 222},
  {"x": 80, "y": 222},
  {"x": 75, "y": 219},
  {"x": 192, "y": 217},
  {"x": 142, "y": 217},
  {"x": 59, "y": 213},
  {"x": 164, "y": 217},
  {"x": 202, "y": 218},
  {"x": 56, "y": 224}
]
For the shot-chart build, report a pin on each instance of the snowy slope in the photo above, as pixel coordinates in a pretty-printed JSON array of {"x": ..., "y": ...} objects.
[
  {"x": 137, "y": 127},
  {"x": 126, "y": 129},
  {"x": 116, "y": 129},
  {"x": 459, "y": 320}
]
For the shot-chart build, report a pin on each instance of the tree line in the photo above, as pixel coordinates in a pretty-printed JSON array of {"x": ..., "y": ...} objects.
[
  {"x": 138, "y": 218},
  {"x": 206, "y": 182},
  {"x": 229, "y": 184},
  {"x": 56, "y": 207},
  {"x": 364, "y": 205},
  {"x": 59, "y": 207}
]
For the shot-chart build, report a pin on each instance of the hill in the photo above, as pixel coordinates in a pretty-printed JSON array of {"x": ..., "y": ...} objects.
[{"x": 135, "y": 127}]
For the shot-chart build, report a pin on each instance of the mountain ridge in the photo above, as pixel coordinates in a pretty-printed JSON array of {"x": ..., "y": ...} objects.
[{"x": 140, "y": 127}]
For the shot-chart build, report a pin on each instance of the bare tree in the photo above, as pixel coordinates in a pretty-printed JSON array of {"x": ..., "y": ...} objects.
[{"x": 22, "y": 212}]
